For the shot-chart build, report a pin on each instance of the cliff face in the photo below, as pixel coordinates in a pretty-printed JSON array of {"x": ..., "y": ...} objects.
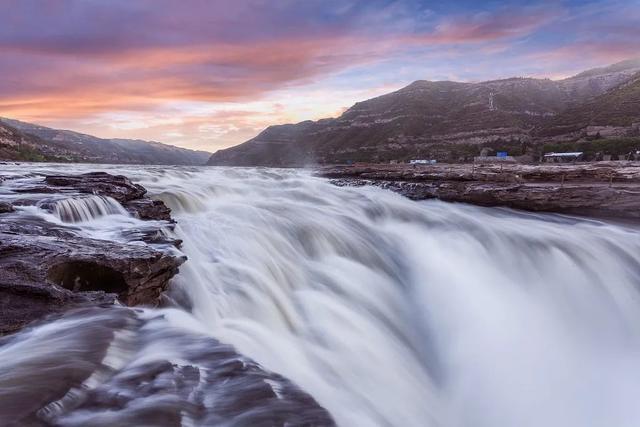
[
  {"x": 426, "y": 119},
  {"x": 26, "y": 141}
]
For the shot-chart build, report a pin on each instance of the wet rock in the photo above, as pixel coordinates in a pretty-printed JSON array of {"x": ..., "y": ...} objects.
[
  {"x": 6, "y": 207},
  {"x": 118, "y": 187},
  {"x": 101, "y": 183},
  {"x": 153, "y": 236},
  {"x": 41, "y": 275},
  {"x": 189, "y": 377},
  {"x": 149, "y": 209},
  {"x": 603, "y": 190},
  {"x": 21, "y": 303},
  {"x": 84, "y": 349},
  {"x": 47, "y": 268},
  {"x": 40, "y": 189}
]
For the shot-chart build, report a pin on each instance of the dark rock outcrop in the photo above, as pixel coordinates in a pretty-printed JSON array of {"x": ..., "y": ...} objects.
[
  {"x": 149, "y": 209},
  {"x": 199, "y": 379},
  {"x": 73, "y": 356},
  {"x": 47, "y": 268},
  {"x": 117, "y": 187},
  {"x": 136, "y": 273},
  {"x": 603, "y": 190},
  {"x": 6, "y": 207}
]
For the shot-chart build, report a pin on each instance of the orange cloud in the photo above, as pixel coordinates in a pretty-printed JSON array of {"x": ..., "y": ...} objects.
[
  {"x": 93, "y": 67},
  {"x": 66, "y": 84},
  {"x": 141, "y": 79}
]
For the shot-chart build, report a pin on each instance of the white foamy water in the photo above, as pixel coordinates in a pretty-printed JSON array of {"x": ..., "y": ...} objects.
[
  {"x": 396, "y": 313},
  {"x": 86, "y": 208}
]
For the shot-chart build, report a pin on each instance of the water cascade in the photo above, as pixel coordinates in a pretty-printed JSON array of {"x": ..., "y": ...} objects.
[
  {"x": 396, "y": 313},
  {"x": 86, "y": 208}
]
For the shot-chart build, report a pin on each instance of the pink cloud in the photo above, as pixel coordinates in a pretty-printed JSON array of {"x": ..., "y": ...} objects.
[{"x": 70, "y": 61}]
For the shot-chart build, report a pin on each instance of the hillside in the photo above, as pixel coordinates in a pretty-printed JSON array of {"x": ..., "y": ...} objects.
[
  {"x": 447, "y": 120},
  {"x": 16, "y": 145},
  {"x": 612, "y": 114},
  {"x": 26, "y": 141}
]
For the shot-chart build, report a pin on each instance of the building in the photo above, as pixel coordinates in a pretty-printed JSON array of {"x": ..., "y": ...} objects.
[
  {"x": 422, "y": 162},
  {"x": 563, "y": 157}
]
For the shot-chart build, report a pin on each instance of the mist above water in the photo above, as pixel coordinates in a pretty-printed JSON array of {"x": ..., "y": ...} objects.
[{"x": 392, "y": 312}]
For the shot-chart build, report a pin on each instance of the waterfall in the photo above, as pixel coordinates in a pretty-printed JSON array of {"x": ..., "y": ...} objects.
[
  {"x": 86, "y": 208},
  {"x": 391, "y": 312}
]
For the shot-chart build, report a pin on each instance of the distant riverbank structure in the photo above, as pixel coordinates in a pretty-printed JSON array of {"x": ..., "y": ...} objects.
[
  {"x": 563, "y": 157},
  {"x": 423, "y": 162},
  {"x": 494, "y": 159}
]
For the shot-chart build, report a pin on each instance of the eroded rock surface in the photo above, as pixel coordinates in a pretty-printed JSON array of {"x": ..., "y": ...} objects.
[
  {"x": 595, "y": 189},
  {"x": 73, "y": 356},
  {"x": 92, "y": 374},
  {"x": 101, "y": 183},
  {"x": 48, "y": 267}
]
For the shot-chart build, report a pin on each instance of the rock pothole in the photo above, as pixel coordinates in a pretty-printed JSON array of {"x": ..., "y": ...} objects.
[{"x": 83, "y": 276}]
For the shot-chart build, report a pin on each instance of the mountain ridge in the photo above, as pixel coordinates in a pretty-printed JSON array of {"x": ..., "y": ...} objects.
[
  {"x": 27, "y": 141},
  {"x": 429, "y": 119}
]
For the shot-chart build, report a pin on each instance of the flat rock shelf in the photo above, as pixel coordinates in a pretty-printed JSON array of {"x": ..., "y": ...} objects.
[
  {"x": 604, "y": 189},
  {"x": 48, "y": 268}
]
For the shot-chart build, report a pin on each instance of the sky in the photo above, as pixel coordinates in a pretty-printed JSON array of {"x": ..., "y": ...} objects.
[{"x": 209, "y": 74}]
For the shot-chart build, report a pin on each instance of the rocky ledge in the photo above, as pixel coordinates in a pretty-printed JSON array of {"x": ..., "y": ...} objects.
[
  {"x": 119, "y": 369},
  {"x": 62, "y": 258},
  {"x": 49, "y": 267},
  {"x": 610, "y": 189}
]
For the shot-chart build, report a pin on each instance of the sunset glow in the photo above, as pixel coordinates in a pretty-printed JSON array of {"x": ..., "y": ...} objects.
[{"x": 214, "y": 74}]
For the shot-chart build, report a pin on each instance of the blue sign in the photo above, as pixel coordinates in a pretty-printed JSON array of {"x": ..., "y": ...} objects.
[{"x": 501, "y": 154}]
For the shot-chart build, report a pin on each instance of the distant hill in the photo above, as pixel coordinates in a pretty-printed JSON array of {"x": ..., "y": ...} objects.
[
  {"x": 26, "y": 141},
  {"x": 16, "y": 145},
  {"x": 612, "y": 114},
  {"x": 446, "y": 120}
]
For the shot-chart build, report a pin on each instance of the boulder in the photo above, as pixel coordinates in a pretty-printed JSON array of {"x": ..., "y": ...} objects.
[
  {"x": 6, "y": 207},
  {"x": 146, "y": 208}
]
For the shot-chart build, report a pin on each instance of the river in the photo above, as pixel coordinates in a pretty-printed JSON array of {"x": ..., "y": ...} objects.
[{"x": 388, "y": 312}]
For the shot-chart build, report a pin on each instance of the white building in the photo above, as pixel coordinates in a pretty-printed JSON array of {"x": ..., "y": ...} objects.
[{"x": 563, "y": 157}]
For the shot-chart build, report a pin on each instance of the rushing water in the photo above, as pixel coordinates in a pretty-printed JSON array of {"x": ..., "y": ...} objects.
[
  {"x": 87, "y": 208},
  {"x": 396, "y": 313}
]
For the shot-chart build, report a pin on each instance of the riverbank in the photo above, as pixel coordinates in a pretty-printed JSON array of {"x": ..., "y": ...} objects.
[{"x": 604, "y": 189}]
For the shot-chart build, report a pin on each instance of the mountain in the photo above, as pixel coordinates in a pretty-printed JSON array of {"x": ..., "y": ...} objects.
[
  {"x": 15, "y": 145},
  {"x": 449, "y": 120},
  {"x": 616, "y": 113},
  {"x": 26, "y": 141}
]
